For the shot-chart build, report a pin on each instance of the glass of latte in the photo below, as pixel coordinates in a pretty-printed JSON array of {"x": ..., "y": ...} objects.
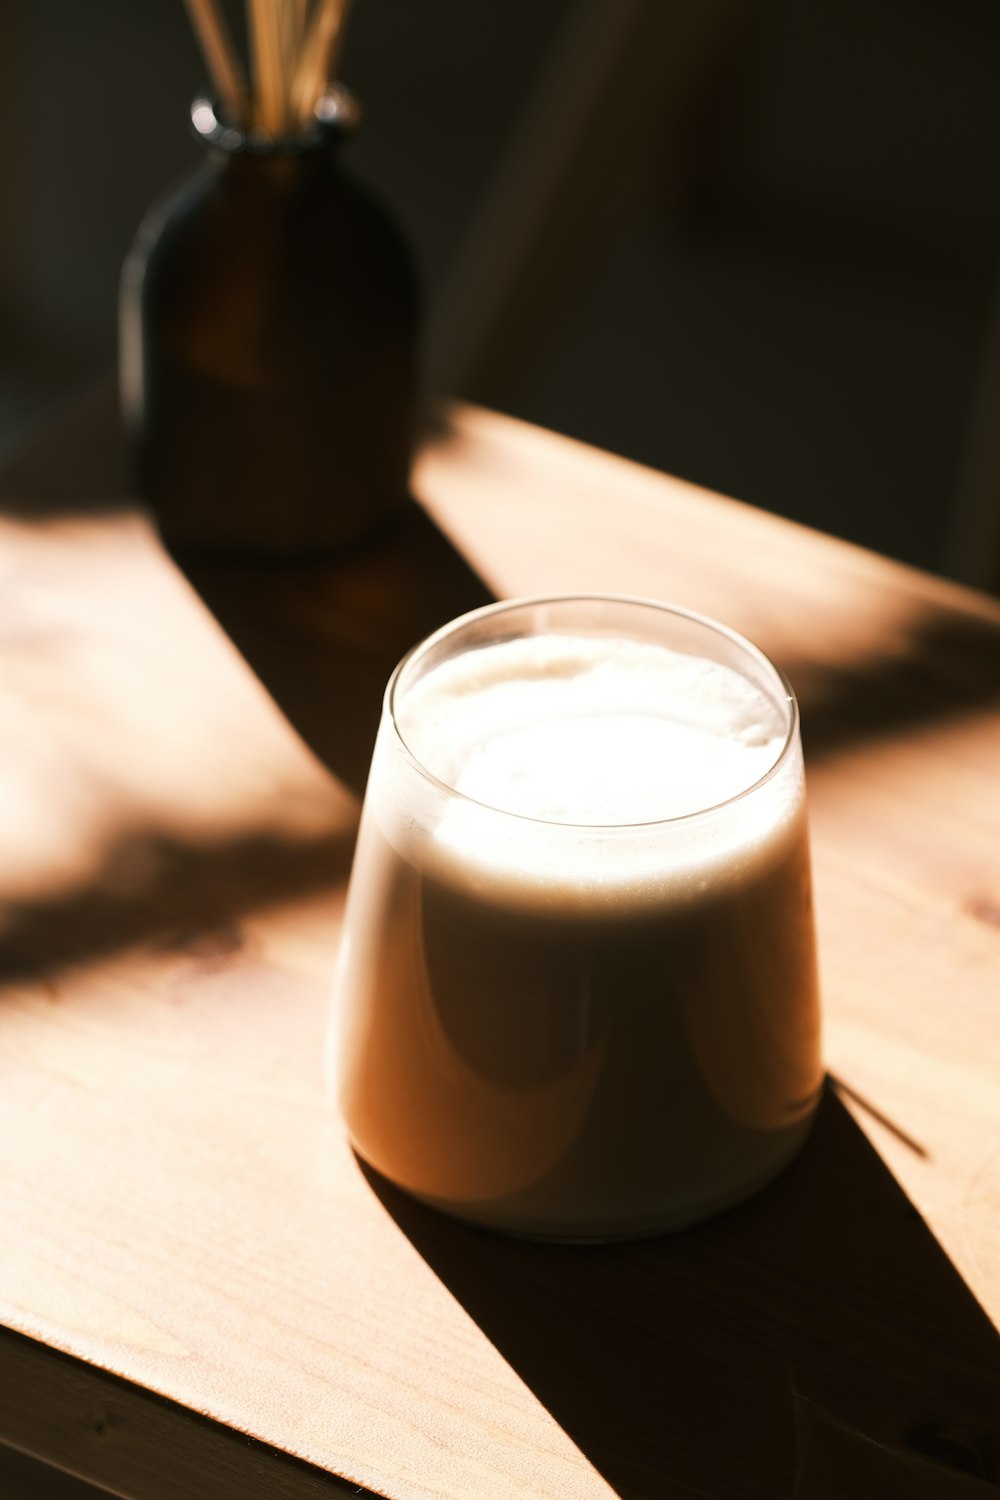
[{"x": 576, "y": 996}]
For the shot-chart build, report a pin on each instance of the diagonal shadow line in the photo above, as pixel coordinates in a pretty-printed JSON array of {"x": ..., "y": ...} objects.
[
  {"x": 948, "y": 666},
  {"x": 166, "y": 893},
  {"x": 324, "y": 634},
  {"x": 815, "y": 1343},
  {"x": 910, "y": 1142}
]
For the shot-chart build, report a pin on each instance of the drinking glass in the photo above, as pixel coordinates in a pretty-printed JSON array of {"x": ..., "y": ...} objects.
[{"x": 576, "y": 996}]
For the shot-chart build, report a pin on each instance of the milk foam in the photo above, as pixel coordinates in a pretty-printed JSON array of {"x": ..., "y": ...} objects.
[
  {"x": 591, "y": 731},
  {"x": 595, "y": 745}
]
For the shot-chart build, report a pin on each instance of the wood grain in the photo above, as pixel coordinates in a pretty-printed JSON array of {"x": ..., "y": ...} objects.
[{"x": 202, "y": 1291}]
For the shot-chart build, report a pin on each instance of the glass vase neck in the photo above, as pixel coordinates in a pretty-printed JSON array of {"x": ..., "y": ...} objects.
[{"x": 333, "y": 121}]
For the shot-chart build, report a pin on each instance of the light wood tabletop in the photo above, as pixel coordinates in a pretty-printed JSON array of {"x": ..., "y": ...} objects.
[{"x": 202, "y": 1294}]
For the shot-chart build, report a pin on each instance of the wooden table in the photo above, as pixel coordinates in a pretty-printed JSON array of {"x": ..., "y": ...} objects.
[{"x": 202, "y": 1294}]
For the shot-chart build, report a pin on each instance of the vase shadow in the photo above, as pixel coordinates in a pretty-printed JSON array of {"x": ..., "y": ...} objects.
[{"x": 323, "y": 634}]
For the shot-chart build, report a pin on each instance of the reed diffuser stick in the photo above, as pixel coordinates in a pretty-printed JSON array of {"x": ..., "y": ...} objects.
[
  {"x": 317, "y": 58},
  {"x": 220, "y": 56},
  {"x": 293, "y": 47},
  {"x": 265, "y": 39},
  {"x": 294, "y": 15}
]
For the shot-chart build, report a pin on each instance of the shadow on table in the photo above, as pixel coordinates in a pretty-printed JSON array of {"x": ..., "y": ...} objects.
[
  {"x": 323, "y": 635},
  {"x": 168, "y": 893},
  {"x": 947, "y": 665},
  {"x": 815, "y": 1343}
]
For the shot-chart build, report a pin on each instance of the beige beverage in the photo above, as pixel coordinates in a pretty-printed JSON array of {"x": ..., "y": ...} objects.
[{"x": 577, "y": 991}]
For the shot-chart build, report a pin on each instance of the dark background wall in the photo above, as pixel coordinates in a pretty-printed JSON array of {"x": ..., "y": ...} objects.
[{"x": 780, "y": 286}]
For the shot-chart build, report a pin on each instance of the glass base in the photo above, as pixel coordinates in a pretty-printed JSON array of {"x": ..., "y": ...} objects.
[{"x": 664, "y": 1218}]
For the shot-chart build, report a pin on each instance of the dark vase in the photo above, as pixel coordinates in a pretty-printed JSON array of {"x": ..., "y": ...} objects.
[{"x": 268, "y": 328}]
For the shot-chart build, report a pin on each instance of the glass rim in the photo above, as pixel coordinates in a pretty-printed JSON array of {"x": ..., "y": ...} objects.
[{"x": 529, "y": 601}]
